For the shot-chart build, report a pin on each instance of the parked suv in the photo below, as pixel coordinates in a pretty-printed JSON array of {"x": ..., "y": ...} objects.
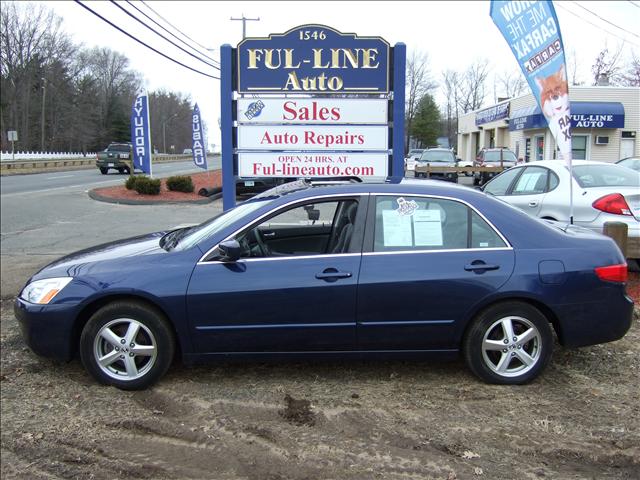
[
  {"x": 437, "y": 157},
  {"x": 492, "y": 157}
]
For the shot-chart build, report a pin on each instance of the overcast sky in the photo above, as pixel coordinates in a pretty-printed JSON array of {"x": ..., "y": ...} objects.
[{"x": 453, "y": 34}]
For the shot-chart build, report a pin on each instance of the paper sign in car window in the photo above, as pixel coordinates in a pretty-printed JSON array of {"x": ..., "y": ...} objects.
[
  {"x": 427, "y": 227},
  {"x": 396, "y": 228},
  {"x": 528, "y": 182}
]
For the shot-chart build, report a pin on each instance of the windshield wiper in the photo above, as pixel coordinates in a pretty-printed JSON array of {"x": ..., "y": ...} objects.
[{"x": 171, "y": 239}]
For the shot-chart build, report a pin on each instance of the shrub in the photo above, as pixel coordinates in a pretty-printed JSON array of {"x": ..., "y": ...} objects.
[
  {"x": 130, "y": 184},
  {"x": 147, "y": 186},
  {"x": 180, "y": 184}
]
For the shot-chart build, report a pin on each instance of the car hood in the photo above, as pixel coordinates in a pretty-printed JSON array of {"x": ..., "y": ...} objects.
[{"x": 120, "y": 249}]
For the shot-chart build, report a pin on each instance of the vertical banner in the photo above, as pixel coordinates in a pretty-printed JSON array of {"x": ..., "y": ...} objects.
[
  {"x": 198, "y": 145},
  {"x": 533, "y": 33},
  {"x": 141, "y": 133}
]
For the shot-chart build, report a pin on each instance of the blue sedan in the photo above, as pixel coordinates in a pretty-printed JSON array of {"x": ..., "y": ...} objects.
[{"x": 396, "y": 269}]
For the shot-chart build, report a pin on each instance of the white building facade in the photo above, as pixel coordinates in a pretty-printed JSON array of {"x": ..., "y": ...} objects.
[{"x": 605, "y": 126}]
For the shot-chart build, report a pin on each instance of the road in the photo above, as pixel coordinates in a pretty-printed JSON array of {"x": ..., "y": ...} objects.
[{"x": 87, "y": 178}]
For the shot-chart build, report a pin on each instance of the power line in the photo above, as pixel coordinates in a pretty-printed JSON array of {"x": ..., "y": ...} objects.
[
  {"x": 605, "y": 20},
  {"x": 162, "y": 36},
  {"x": 633, "y": 3},
  {"x": 174, "y": 35},
  {"x": 172, "y": 26},
  {"x": 142, "y": 43},
  {"x": 558, "y": 4}
]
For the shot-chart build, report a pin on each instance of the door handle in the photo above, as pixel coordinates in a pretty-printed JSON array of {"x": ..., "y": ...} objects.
[
  {"x": 332, "y": 274},
  {"x": 269, "y": 234},
  {"x": 478, "y": 266},
  {"x": 533, "y": 204}
]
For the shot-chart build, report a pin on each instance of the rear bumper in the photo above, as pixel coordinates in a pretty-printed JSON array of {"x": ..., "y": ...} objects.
[
  {"x": 47, "y": 329},
  {"x": 604, "y": 321}
]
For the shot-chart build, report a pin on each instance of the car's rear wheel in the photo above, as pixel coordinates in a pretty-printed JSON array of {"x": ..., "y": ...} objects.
[
  {"x": 508, "y": 343},
  {"x": 127, "y": 344},
  {"x": 103, "y": 170}
]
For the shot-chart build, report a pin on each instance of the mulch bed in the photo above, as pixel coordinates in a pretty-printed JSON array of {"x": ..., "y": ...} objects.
[{"x": 200, "y": 180}]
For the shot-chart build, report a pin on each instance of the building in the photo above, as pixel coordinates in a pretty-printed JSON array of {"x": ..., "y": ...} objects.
[{"x": 605, "y": 126}]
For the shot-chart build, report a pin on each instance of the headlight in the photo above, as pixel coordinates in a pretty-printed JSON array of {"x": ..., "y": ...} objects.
[{"x": 43, "y": 291}]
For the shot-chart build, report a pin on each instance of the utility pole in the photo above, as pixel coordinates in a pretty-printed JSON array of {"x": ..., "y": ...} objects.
[
  {"x": 244, "y": 24},
  {"x": 44, "y": 95},
  {"x": 164, "y": 137}
]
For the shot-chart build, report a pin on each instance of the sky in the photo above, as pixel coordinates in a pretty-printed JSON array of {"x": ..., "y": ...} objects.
[{"x": 453, "y": 34}]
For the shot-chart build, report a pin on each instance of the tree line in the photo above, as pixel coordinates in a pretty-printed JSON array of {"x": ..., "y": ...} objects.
[{"x": 61, "y": 96}]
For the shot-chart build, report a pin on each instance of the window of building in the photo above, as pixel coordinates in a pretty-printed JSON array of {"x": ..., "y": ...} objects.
[{"x": 579, "y": 145}]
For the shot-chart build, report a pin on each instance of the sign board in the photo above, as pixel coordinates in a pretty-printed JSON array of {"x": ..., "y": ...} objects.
[
  {"x": 491, "y": 114},
  {"x": 316, "y": 110},
  {"x": 303, "y": 137},
  {"x": 339, "y": 164},
  {"x": 12, "y": 136},
  {"x": 311, "y": 102},
  {"x": 313, "y": 58}
]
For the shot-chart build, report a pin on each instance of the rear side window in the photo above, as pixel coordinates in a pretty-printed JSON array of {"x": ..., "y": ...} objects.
[
  {"x": 422, "y": 223},
  {"x": 500, "y": 184},
  {"x": 589, "y": 176},
  {"x": 532, "y": 181}
]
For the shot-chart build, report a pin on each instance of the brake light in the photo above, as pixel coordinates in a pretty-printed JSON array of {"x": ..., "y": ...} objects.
[
  {"x": 612, "y": 203},
  {"x": 612, "y": 273}
]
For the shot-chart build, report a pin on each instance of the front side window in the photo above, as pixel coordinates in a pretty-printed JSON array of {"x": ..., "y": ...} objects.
[
  {"x": 500, "y": 184},
  {"x": 310, "y": 229},
  {"x": 422, "y": 223}
]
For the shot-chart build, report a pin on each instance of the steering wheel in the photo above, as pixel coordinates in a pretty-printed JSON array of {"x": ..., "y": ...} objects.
[{"x": 264, "y": 250}]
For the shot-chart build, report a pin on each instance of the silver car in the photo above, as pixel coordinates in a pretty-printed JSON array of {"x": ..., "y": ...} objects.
[{"x": 602, "y": 192}]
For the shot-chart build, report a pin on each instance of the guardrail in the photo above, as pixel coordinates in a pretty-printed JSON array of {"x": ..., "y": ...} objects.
[{"x": 74, "y": 162}]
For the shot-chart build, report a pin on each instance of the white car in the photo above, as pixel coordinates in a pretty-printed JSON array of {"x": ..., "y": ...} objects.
[
  {"x": 602, "y": 192},
  {"x": 410, "y": 161}
]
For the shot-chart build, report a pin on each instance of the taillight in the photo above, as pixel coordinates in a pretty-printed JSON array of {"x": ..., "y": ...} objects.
[
  {"x": 612, "y": 273},
  {"x": 612, "y": 203}
]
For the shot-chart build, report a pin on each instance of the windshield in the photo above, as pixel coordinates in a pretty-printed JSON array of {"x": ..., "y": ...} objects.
[
  {"x": 215, "y": 224},
  {"x": 589, "y": 176},
  {"x": 415, "y": 151},
  {"x": 494, "y": 156},
  {"x": 444, "y": 156}
]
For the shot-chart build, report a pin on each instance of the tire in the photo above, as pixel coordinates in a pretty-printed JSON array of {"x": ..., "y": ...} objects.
[
  {"x": 110, "y": 333},
  {"x": 103, "y": 170},
  {"x": 494, "y": 361}
]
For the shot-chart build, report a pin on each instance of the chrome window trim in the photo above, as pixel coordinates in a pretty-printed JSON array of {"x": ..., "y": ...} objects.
[
  {"x": 442, "y": 197},
  {"x": 450, "y": 250},
  {"x": 282, "y": 207}
]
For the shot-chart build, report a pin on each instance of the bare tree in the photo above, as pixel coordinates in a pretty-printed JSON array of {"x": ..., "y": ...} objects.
[
  {"x": 630, "y": 75},
  {"x": 607, "y": 66},
  {"x": 450, "y": 85},
  {"x": 473, "y": 86},
  {"x": 572, "y": 68},
  {"x": 509, "y": 84},
  {"x": 418, "y": 83}
]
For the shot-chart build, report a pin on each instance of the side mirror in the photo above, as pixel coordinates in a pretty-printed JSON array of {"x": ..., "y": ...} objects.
[
  {"x": 313, "y": 214},
  {"x": 229, "y": 250}
]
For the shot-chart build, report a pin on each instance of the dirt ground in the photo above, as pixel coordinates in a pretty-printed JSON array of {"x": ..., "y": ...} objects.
[{"x": 338, "y": 420}]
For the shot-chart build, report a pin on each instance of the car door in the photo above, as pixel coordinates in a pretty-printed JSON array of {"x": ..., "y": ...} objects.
[
  {"x": 530, "y": 189},
  {"x": 286, "y": 300},
  {"x": 427, "y": 263}
]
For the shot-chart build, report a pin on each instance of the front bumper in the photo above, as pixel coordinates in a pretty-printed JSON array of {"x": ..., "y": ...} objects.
[{"x": 48, "y": 330}]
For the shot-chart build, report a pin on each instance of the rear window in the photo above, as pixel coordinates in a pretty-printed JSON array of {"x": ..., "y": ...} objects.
[
  {"x": 589, "y": 176},
  {"x": 121, "y": 147},
  {"x": 438, "y": 156},
  {"x": 494, "y": 156}
]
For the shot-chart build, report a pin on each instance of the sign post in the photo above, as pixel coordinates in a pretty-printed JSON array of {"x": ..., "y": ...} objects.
[
  {"x": 311, "y": 102},
  {"x": 12, "y": 136}
]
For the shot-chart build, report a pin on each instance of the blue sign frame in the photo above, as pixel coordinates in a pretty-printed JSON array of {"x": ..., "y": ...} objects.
[{"x": 230, "y": 81}]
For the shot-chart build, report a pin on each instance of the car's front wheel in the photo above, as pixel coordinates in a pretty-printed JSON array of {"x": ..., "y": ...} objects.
[
  {"x": 103, "y": 170},
  {"x": 508, "y": 343},
  {"x": 127, "y": 344}
]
